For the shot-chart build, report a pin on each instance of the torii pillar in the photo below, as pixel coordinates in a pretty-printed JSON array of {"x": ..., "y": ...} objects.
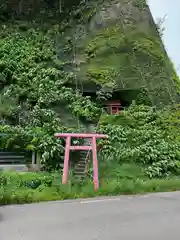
[{"x": 93, "y": 148}]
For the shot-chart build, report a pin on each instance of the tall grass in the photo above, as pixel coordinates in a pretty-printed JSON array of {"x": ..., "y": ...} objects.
[{"x": 19, "y": 188}]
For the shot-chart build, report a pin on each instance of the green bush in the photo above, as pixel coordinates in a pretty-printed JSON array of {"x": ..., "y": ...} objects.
[
  {"x": 143, "y": 140},
  {"x": 15, "y": 192}
]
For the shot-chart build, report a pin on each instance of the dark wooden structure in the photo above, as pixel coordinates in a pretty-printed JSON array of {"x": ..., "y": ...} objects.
[
  {"x": 113, "y": 107},
  {"x": 7, "y": 157}
]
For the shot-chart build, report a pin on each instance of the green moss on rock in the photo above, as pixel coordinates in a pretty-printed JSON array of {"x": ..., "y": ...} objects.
[
  {"x": 114, "y": 44},
  {"x": 126, "y": 58}
]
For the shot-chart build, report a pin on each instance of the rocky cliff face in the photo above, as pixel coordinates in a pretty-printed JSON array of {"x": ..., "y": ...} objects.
[
  {"x": 117, "y": 44},
  {"x": 108, "y": 43}
]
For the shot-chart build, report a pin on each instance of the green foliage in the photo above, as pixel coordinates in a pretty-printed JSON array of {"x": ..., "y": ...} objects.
[
  {"x": 175, "y": 76},
  {"x": 165, "y": 166},
  {"x": 140, "y": 4},
  {"x": 20, "y": 188},
  {"x": 41, "y": 10},
  {"x": 37, "y": 139},
  {"x": 170, "y": 121},
  {"x": 25, "y": 60},
  {"x": 111, "y": 170},
  {"x": 31, "y": 89},
  {"x": 138, "y": 136},
  {"x": 37, "y": 63},
  {"x": 125, "y": 58}
]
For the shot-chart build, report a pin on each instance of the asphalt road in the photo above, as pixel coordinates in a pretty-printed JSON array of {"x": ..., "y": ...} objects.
[{"x": 150, "y": 217}]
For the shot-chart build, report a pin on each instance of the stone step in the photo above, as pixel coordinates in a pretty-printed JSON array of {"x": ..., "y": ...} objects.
[
  {"x": 79, "y": 170},
  {"x": 80, "y": 166},
  {"x": 83, "y": 155},
  {"x": 82, "y": 160},
  {"x": 79, "y": 173},
  {"x": 79, "y": 176}
]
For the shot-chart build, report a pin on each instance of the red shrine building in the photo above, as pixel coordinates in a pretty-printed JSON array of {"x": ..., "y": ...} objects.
[
  {"x": 113, "y": 107},
  {"x": 120, "y": 98}
]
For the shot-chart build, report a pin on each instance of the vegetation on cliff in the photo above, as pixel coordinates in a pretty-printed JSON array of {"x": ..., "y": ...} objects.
[{"x": 49, "y": 52}]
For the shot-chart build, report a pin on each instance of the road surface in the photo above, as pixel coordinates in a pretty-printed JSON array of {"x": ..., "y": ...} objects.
[{"x": 149, "y": 217}]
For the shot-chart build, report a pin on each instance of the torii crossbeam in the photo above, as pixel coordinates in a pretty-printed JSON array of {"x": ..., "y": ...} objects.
[{"x": 93, "y": 148}]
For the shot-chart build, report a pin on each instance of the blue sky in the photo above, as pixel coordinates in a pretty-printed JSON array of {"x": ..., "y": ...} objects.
[{"x": 171, "y": 37}]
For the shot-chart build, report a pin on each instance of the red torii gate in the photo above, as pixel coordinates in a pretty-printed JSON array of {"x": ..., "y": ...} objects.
[{"x": 93, "y": 148}]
